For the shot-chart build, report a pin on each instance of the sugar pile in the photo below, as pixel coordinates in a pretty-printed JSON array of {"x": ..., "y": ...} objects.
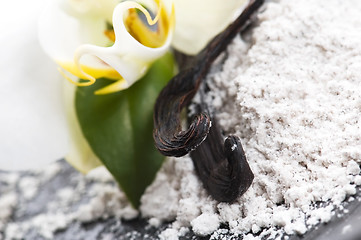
[
  {"x": 293, "y": 95},
  {"x": 30, "y": 207}
]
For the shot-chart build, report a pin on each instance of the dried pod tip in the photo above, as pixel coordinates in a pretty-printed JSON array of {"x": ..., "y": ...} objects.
[{"x": 223, "y": 169}]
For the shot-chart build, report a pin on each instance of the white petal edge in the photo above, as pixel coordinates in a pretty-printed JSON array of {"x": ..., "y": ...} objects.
[
  {"x": 197, "y": 22},
  {"x": 101, "y": 9},
  {"x": 60, "y": 34},
  {"x": 80, "y": 155},
  {"x": 127, "y": 56}
]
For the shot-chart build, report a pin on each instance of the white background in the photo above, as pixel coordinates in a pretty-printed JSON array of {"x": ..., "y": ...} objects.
[{"x": 32, "y": 121}]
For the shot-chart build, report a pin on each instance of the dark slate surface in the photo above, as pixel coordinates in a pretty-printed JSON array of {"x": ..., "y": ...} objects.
[{"x": 349, "y": 219}]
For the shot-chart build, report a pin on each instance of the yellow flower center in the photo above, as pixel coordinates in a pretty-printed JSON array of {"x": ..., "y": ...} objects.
[
  {"x": 110, "y": 35},
  {"x": 142, "y": 30},
  {"x": 150, "y": 31}
]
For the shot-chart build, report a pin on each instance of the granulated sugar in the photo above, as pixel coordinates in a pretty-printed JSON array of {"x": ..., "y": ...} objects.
[{"x": 293, "y": 95}]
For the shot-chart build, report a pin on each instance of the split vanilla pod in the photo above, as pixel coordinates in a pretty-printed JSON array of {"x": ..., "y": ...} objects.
[{"x": 221, "y": 165}]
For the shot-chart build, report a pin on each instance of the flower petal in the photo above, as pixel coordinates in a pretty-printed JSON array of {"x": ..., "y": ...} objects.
[
  {"x": 83, "y": 54},
  {"x": 199, "y": 21},
  {"x": 80, "y": 155},
  {"x": 129, "y": 57},
  {"x": 114, "y": 87},
  {"x": 61, "y": 33},
  {"x": 101, "y": 9}
]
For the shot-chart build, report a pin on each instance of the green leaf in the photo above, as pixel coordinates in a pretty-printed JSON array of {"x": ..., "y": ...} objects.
[{"x": 119, "y": 127}]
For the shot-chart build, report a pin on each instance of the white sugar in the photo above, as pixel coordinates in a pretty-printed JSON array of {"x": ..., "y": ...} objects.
[
  {"x": 293, "y": 95},
  {"x": 205, "y": 224},
  {"x": 7, "y": 205}
]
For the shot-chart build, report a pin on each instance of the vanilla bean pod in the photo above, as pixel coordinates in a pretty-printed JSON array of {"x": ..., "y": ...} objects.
[
  {"x": 221, "y": 165},
  {"x": 169, "y": 137},
  {"x": 223, "y": 169}
]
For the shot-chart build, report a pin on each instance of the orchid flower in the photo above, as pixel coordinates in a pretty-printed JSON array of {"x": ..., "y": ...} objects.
[
  {"x": 109, "y": 39},
  {"x": 91, "y": 39},
  {"x": 122, "y": 47},
  {"x": 88, "y": 43}
]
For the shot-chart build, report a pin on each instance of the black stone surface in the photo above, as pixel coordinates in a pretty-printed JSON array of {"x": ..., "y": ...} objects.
[{"x": 344, "y": 225}]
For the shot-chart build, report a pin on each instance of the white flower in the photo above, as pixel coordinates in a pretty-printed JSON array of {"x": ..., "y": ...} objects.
[
  {"x": 198, "y": 21},
  {"x": 75, "y": 34},
  {"x": 122, "y": 52},
  {"x": 80, "y": 40},
  {"x": 78, "y": 35}
]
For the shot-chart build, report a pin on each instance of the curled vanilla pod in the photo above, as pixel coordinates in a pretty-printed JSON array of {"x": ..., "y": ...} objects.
[
  {"x": 221, "y": 166},
  {"x": 169, "y": 138}
]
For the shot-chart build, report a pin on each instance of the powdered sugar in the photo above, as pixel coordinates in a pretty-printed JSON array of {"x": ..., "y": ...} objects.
[
  {"x": 294, "y": 97},
  {"x": 205, "y": 224},
  {"x": 292, "y": 93}
]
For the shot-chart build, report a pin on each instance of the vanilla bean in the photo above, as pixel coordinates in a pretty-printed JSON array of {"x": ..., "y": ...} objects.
[
  {"x": 169, "y": 137},
  {"x": 223, "y": 169},
  {"x": 221, "y": 165}
]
